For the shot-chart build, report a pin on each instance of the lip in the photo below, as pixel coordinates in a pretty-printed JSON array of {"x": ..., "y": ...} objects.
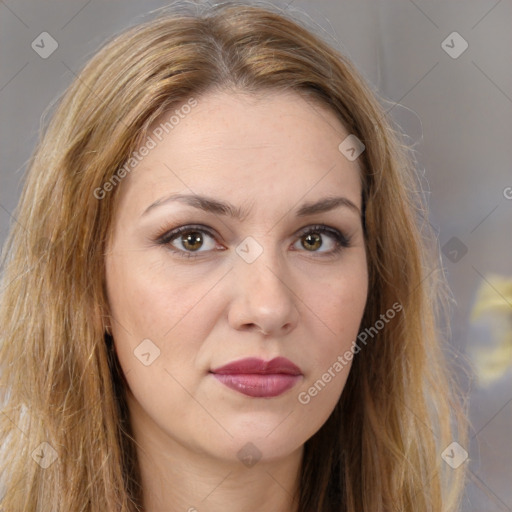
[
  {"x": 258, "y": 378},
  {"x": 259, "y": 367}
]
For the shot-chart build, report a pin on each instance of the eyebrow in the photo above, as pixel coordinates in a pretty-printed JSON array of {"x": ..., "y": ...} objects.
[{"x": 218, "y": 207}]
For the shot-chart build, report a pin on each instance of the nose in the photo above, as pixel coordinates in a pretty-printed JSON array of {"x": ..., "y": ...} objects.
[{"x": 264, "y": 300}]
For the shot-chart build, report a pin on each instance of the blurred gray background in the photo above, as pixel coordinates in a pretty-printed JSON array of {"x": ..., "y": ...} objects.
[{"x": 453, "y": 102}]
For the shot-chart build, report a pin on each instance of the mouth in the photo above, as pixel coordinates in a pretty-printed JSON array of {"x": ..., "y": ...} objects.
[{"x": 258, "y": 378}]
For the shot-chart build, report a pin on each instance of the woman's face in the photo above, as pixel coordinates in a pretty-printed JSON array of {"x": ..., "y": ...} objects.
[{"x": 257, "y": 272}]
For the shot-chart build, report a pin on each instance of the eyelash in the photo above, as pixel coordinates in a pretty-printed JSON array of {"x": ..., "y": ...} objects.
[{"x": 166, "y": 237}]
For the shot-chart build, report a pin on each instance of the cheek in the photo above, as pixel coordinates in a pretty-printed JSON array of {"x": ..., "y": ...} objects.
[
  {"x": 171, "y": 307},
  {"x": 156, "y": 331},
  {"x": 338, "y": 308},
  {"x": 148, "y": 298},
  {"x": 338, "y": 304}
]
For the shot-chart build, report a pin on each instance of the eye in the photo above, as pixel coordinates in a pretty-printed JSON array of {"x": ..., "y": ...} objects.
[
  {"x": 187, "y": 239},
  {"x": 312, "y": 239}
]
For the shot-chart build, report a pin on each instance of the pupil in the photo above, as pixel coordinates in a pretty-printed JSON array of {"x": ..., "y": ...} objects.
[{"x": 191, "y": 239}]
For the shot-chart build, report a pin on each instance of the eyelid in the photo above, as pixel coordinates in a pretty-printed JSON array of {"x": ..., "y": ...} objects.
[
  {"x": 169, "y": 234},
  {"x": 323, "y": 228},
  {"x": 340, "y": 238}
]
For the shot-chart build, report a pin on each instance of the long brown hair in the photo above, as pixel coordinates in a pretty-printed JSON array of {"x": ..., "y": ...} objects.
[{"x": 380, "y": 450}]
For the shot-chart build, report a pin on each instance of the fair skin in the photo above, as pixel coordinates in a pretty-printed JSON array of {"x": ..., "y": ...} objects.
[{"x": 297, "y": 299}]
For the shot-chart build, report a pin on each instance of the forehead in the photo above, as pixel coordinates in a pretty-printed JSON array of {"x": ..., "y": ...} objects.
[{"x": 246, "y": 146}]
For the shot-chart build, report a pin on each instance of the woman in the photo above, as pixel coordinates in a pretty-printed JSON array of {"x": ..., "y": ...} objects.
[{"x": 220, "y": 292}]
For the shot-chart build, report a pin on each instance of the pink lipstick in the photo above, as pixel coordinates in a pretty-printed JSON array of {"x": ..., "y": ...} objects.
[{"x": 258, "y": 378}]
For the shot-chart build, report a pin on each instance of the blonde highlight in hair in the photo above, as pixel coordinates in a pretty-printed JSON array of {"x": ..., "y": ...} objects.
[{"x": 380, "y": 450}]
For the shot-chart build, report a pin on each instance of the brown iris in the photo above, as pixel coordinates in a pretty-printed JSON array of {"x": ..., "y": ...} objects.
[
  {"x": 314, "y": 241},
  {"x": 192, "y": 240}
]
